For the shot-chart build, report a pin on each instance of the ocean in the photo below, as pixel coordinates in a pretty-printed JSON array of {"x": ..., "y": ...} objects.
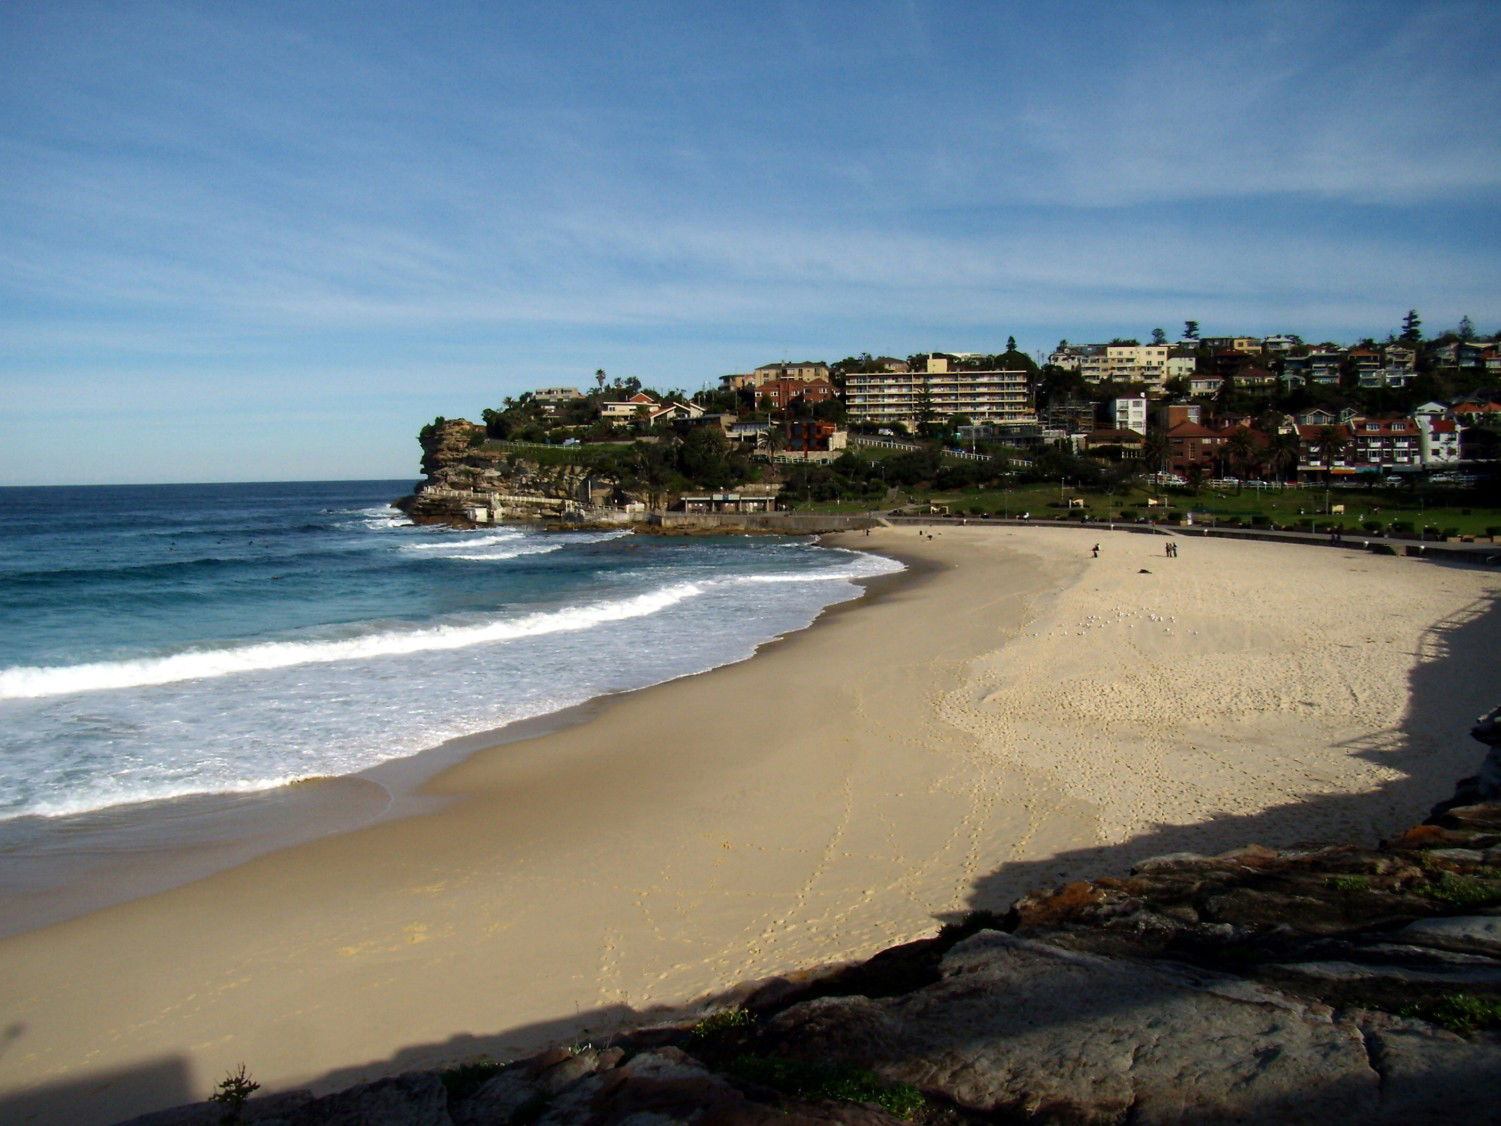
[{"x": 158, "y": 642}]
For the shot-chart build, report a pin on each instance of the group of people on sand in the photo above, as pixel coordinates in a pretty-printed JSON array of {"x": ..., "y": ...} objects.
[{"x": 1170, "y": 549}]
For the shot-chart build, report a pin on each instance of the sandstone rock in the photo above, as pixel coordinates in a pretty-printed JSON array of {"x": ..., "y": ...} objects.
[
  {"x": 667, "y": 1086},
  {"x": 1432, "y": 1076},
  {"x": 267, "y": 1110},
  {"x": 1475, "y": 934},
  {"x": 416, "y": 1099},
  {"x": 498, "y": 1100},
  {"x": 1378, "y": 975},
  {"x": 1018, "y": 1027},
  {"x": 1481, "y": 817},
  {"x": 1456, "y": 857}
]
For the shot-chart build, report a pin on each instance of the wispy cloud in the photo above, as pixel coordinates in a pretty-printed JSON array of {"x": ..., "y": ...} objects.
[{"x": 240, "y": 199}]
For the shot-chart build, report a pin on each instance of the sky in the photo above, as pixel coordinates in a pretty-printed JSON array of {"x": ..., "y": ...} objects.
[{"x": 269, "y": 241}]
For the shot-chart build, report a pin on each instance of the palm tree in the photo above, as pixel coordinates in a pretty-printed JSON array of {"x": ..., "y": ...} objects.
[
  {"x": 1154, "y": 450},
  {"x": 1283, "y": 454},
  {"x": 1332, "y": 443},
  {"x": 1240, "y": 451}
]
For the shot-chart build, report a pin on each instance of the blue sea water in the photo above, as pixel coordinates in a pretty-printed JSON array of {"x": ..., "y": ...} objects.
[{"x": 161, "y": 641}]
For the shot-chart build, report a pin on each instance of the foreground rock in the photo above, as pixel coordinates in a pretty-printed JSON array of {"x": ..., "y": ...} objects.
[{"x": 1315, "y": 985}]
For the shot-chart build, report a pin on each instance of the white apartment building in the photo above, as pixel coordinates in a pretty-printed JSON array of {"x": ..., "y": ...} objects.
[
  {"x": 1438, "y": 439},
  {"x": 985, "y": 396},
  {"x": 1129, "y": 413}
]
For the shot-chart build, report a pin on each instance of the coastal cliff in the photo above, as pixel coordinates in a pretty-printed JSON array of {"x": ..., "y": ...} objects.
[
  {"x": 1313, "y": 984},
  {"x": 470, "y": 483}
]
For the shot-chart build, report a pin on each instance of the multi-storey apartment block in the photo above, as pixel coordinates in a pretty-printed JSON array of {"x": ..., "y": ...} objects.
[
  {"x": 1362, "y": 445},
  {"x": 1137, "y": 363},
  {"x": 807, "y": 371},
  {"x": 1129, "y": 413},
  {"x": 985, "y": 396}
]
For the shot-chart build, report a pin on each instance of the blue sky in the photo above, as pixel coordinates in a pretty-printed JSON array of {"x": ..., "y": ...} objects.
[{"x": 269, "y": 241}]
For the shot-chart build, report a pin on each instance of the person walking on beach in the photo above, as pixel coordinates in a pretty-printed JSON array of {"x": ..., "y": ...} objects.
[{"x": 1096, "y": 551}]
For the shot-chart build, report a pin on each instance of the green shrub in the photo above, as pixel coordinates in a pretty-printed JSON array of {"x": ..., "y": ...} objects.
[
  {"x": 1350, "y": 883},
  {"x": 722, "y": 1021},
  {"x": 1465, "y": 891},
  {"x": 837, "y": 1082},
  {"x": 1458, "y": 1012}
]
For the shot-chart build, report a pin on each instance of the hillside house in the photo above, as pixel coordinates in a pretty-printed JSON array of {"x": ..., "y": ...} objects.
[
  {"x": 626, "y": 410},
  {"x": 1129, "y": 442},
  {"x": 675, "y": 411}
]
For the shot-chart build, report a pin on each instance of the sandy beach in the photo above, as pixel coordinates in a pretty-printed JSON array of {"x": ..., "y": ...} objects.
[{"x": 1011, "y": 713}]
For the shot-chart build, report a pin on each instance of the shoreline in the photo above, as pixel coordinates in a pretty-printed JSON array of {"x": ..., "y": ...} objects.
[
  {"x": 1016, "y": 714},
  {"x": 58, "y": 869}
]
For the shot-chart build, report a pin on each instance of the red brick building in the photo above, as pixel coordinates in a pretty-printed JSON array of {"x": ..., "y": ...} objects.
[{"x": 780, "y": 393}]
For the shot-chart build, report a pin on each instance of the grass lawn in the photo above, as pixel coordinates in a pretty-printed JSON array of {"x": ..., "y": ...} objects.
[{"x": 1371, "y": 511}]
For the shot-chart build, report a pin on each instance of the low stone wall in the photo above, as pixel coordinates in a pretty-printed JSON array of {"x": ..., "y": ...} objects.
[{"x": 783, "y": 523}]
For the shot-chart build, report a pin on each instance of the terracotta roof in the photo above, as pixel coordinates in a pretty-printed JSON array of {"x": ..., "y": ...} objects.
[{"x": 1186, "y": 429}]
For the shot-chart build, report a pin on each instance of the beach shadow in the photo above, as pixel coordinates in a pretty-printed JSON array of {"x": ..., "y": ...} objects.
[
  {"x": 99, "y": 1096},
  {"x": 596, "y": 1027},
  {"x": 1449, "y": 652}
]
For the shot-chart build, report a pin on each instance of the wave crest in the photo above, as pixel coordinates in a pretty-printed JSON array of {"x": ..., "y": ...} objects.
[{"x": 31, "y": 682}]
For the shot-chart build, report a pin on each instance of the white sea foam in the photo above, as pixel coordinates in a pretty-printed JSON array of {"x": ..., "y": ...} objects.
[
  {"x": 104, "y": 792},
  {"x": 486, "y": 540},
  {"x": 199, "y": 664},
  {"x": 497, "y": 556},
  {"x": 381, "y": 518},
  {"x": 498, "y": 546}
]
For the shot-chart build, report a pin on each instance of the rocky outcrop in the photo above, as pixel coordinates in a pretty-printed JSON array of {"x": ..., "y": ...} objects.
[
  {"x": 470, "y": 483},
  {"x": 1485, "y": 786}
]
